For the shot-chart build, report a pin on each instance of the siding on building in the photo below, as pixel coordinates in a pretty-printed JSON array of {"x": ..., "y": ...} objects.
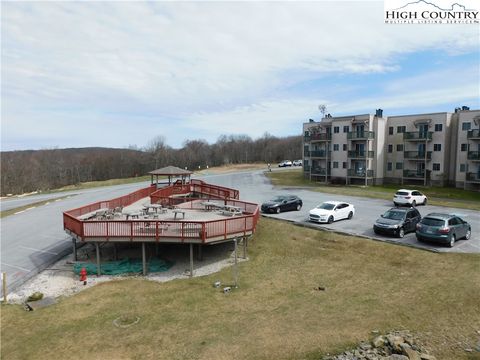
[{"x": 421, "y": 149}]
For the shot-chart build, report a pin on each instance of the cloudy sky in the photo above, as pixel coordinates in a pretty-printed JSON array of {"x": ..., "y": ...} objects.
[{"x": 115, "y": 74}]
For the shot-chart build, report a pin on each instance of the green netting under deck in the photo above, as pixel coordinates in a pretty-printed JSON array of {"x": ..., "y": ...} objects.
[{"x": 124, "y": 266}]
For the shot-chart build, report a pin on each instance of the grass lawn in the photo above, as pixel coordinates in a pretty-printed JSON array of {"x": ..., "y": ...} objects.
[
  {"x": 441, "y": 196},
  {"x": 275, "y": 314}
]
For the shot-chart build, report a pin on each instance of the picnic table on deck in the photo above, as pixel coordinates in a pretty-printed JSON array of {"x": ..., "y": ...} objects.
[
  {"x": 178, "y": 211},
  {"x": 155, "y": 207},
  {"x": 209, "y": 206},
  {"x": 231, "y": 210},
  {"x": 133, "y": 214}
]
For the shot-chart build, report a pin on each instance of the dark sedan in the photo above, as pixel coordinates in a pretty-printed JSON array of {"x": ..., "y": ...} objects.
[
  {"x": 443, "y": 228},
  {"x": 282, "y": 203},
  {"x": 397, "y": 222}
]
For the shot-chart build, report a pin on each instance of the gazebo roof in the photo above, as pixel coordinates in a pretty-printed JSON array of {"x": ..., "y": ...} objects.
[{"x": 170, "y": 170}]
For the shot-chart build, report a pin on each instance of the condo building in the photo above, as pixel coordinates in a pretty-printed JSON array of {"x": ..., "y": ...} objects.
[
  {"x": 346, "y": 149},
  {"x": 441, "y": 149},
  {"x": 467, "y": 157}
]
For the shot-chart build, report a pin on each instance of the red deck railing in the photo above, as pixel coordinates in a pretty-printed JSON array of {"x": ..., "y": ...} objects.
[
  {"x": 156, "y": 230},
  {"x": 171, "y": 195}
]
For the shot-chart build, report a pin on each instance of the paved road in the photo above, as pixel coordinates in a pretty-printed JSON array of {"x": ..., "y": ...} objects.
[{"x": 34, "y": 239}]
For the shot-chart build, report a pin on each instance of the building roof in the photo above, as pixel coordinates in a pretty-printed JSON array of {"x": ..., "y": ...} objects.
[{"x": 170, "y": 170}]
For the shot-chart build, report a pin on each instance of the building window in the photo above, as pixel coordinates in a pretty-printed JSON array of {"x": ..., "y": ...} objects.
[
  {"x": 389, "y": 166},
  {"x": 307, "y": 133},
  {"x": 346, "y": 129},
  {"x": 336, "y": 147},
  {"x": 390, "y": 148},
  {"x": 344, "y": 165},
  {"x": 401, "y": 129},
  {"x": 463, "y": 147},
  {"x": 344, "y": 147},
  {"x": 399, "y": 166},
  {"x": 463, "y": 168},
  {"x": 466, "y": 126},
  {"x": 335, "y": 164},
  {"x": 437, "y": 147},
  {"x": 399, "y": 147},
  {"x": 390, "y": 130},
  {"x": 436, "y": 167},
  {"x": 336, "y": 129},
  {"x": 438, "y": 127}
]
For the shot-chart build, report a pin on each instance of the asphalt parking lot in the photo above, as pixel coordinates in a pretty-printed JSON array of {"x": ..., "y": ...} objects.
[{"x": 368, "y": 210}]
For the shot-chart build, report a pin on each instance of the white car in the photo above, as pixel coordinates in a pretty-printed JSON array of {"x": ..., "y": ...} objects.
[
  {"x": 409, "y": 197},
  {"x": 331, "y": 211},
  {"x": 297, "y": 162},
  {"x": 285, "y": 163}
]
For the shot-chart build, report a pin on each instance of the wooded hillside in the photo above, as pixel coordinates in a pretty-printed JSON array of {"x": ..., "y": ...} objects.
[{"x": 31, "y": 170}]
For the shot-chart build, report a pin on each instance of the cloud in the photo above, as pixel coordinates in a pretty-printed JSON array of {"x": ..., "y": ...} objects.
[{"x": 192, "y": 60}]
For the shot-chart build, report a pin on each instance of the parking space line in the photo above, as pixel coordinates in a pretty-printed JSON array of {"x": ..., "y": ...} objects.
[
  {"x": 16, "y": 267},
  {"x": 38, "y": 250}
]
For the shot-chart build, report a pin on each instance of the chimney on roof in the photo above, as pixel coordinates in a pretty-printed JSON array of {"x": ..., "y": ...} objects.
[
  {"x": 311, "y": 120},
  {"x": 379, "y": 113},
  {"x": 465, "y": 108}
]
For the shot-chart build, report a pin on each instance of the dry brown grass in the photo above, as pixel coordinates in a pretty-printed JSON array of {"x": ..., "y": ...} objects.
[{"x": 275, "y": 314}]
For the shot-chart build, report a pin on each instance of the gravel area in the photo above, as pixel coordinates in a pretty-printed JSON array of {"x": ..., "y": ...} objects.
[{"x": 59, "y": 279}]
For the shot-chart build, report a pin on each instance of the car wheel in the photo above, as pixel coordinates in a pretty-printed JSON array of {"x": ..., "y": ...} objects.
[
  {"x": 277, "y": 210},
  {"x": 401, "y": 233},
  {"x": 395, "y": 204},
  {"x": 414, "y": 203},
  {"x": 452, "y": 240},
  {"x": 425, "y": 202},
  {"x": 350, "y": 215},
  {"x": 299, "y": 207},
  {"x": 467, "y": 235},
  {"x": 330, "y": 219}
]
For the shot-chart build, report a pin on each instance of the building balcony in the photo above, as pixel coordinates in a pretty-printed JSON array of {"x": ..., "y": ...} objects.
[
  {"x": 320, "y": 154},
  {"x": 364, "y": 135},
  {"x": 320, "y": 171},
  {"x": 473, "y": 177},
  {"x": 473, "y": 155},
  {"x": 417, "y": 155},
  {"x": 318, "y": 137},
  {"x": 414, "y": 174},
  {"x": 473, "y": 134},
  {"x": 360, "y": 154},
  {"x": 417, "y": 136},
  {"x": 359, "y": 173}
]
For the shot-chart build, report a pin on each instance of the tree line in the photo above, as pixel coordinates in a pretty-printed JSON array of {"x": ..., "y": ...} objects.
[{"x": 40, "y": 170}]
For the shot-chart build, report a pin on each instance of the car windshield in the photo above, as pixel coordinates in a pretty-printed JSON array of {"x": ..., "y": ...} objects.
[
  {"x": 394, "y": 215},
  {"x": 278, "y": 199},
  {"x": 326, "y": 206},
  {"x": 432, "y": 222},
  {"x": 401, "y": 193}
]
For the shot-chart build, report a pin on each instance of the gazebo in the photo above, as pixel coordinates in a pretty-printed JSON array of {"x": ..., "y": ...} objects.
[{"x": 170, "y": 171}]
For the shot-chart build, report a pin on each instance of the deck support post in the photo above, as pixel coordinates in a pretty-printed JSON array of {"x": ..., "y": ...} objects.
[
  {"x": 245, "y": 247},
  {"x": 115, "y": 252},
  {"x": 156, "y": 249},
  {"x": 74, "y": 243},
  {"x": 235, "y": 268},
  {"x": 97, "y": 247},
  {"x": 191, "y": 260},
  {"x": 200, "y": 252},
  {"x": 144, "y": 259}
]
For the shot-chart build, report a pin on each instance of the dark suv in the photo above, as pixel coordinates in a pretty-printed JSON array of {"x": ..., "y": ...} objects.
[
  {"x": 443, "y": 228},
  {"x": 397, "y": 222}
]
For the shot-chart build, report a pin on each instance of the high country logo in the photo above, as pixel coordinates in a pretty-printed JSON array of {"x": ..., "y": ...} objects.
[{"x": 425, "y": 12}]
